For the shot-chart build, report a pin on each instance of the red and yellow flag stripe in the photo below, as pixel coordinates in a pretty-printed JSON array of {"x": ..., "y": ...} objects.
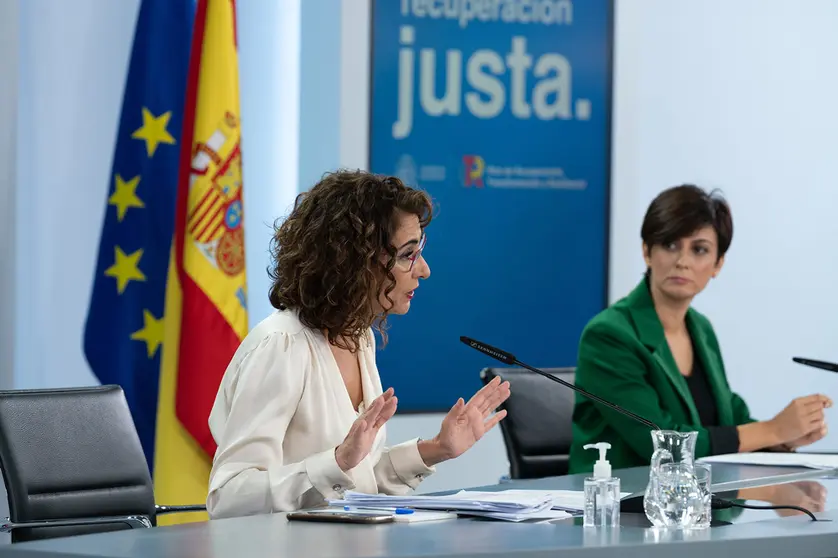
[{"x": 206, "y": 313}]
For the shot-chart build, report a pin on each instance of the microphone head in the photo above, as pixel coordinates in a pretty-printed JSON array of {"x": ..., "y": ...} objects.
[
  {"x": 503, "y": 356},
  {"x": 823, "y": 365}
]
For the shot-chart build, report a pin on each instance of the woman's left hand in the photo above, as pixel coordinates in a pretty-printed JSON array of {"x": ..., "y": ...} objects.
[{"x": 466, "y": 423}]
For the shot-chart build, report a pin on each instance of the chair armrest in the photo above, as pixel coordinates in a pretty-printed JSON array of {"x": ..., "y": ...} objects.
[
  {"x": 180, "y": 509},
  {"x": 133, "y": 521}
]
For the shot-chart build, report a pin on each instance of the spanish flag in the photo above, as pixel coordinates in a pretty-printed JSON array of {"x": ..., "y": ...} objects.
[
  {"x": 206, "y": 301},
  {"x": 168, "y": 306}
]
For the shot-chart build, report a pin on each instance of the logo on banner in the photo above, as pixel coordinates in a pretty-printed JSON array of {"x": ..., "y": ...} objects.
[
  {"x": 476, "y": 173},
  {"x": 474, "y": 166},
  {"x": 414, "y": 174},
  {"x": 406, "y": 170}
]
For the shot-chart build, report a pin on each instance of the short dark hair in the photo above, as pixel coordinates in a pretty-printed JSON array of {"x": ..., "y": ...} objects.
[
  {"x": 682, "y": 210},
  {"x": 327, "y": 252}
]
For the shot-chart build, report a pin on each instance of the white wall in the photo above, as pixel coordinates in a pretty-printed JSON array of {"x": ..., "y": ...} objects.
[
  {"x": 9, "y": 68},
  {"x": 73, "y": 61},
  {"x": 320, "y": 56},
  {"x": 740, "y": 96},
  {"x": 269, "y": 78}
]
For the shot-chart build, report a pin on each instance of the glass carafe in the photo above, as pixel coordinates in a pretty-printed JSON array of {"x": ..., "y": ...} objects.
[{"x": 673, "y": 497}]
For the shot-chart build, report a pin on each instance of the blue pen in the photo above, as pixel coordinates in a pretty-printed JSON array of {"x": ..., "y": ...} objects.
[{"x": 397, "y": 511}]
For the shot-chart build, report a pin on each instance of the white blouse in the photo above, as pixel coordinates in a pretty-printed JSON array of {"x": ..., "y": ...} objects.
[{"x": 281, "y": 410}]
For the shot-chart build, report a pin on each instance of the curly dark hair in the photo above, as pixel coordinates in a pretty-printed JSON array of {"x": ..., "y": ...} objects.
[{"x": 327, "y": 263}]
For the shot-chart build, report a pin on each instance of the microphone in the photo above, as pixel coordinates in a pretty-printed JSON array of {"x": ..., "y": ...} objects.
[
  {"x": 822, "y": 364},
  {"x": 509, "y": 358}
]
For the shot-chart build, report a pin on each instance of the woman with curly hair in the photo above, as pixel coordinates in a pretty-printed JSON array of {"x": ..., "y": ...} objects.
[{"x": 300, "y": 413}]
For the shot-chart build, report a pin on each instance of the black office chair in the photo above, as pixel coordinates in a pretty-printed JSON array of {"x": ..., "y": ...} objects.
[
  {"x": 73, "y": 464},
  {"x": 537, "y": 429}
]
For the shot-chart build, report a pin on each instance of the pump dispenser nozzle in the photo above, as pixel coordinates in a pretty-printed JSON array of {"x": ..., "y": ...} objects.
[{"x": 602, "y": 468}]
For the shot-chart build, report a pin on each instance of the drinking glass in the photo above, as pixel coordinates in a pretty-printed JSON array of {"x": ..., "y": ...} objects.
[{"x": 703, "y": 475}]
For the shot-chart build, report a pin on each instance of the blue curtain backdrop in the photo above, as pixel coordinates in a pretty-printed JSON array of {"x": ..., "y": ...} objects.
[{"x": 502, "y": 112}]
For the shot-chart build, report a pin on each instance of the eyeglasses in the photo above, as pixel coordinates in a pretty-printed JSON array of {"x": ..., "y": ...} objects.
[{"x": 405, "y": 263}]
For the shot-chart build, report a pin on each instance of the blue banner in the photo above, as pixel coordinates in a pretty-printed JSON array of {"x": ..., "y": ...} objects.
[{"x": 501, "y": 110}]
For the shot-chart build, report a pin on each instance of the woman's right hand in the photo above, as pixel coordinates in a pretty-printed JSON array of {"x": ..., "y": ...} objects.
[
  {"x": 358, "y": 442},
  {"x": 803, "y": 419}
]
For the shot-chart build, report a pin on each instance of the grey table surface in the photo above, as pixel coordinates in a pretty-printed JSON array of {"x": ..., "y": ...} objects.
[{"x": 761, "y": 532}]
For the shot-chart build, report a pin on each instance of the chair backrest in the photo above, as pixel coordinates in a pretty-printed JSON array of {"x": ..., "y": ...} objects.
[
  {"x": 537, "y": 430},
  {"x": 71, "y": 453}
]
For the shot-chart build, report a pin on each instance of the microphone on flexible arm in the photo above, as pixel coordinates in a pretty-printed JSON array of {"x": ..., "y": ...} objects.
[
  {"x": 509, "y": 358},
  {"x": 634, "y": 503},
  {"x": 822, "y": 364}
]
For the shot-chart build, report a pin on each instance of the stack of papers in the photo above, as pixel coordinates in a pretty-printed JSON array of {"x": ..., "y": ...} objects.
[
  {"x": 506, "y": 505},
  {"x": 570, "y": 501}
]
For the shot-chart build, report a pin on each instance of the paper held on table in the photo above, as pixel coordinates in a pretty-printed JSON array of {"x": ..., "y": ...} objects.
[
  {"x": 777, "y": 459},
  {"x": 506, "y": 505},
  {"x": 572, "y": 501},
  {"x": 463, "y": 500},
  {"x": 494, "y": 505},
  {"x": 421, "y": 516}
]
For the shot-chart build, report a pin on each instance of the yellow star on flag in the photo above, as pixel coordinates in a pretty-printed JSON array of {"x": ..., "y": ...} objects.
[
  {"x": 125, "y": 268},
  {"x": 153, "y": 131},
  {"x": 125, "y": 196},
  {"x": 151, "y": 333}
]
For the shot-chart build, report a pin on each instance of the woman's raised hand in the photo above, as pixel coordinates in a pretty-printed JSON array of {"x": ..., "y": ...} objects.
[{"x": 357, "y": 444}]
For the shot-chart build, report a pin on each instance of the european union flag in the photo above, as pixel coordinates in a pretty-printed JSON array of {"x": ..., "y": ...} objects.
[{"x": 124, "y": 330}]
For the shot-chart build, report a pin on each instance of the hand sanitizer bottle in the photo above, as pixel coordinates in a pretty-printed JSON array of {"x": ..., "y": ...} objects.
[{"x": 602, "y": 492}]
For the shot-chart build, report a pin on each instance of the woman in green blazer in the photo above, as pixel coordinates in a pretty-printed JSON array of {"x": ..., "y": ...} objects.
[{"x": 654, "y": 355}]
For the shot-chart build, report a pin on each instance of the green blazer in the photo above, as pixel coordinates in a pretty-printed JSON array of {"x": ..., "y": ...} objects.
[{"x": 624, "y": 358}]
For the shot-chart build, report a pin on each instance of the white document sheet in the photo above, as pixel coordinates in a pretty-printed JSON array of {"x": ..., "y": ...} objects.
[{"x": 778, "y": 459}]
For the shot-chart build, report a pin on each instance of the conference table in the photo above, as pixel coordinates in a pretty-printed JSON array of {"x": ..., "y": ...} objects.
[{"x": 765, "y": 533}]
